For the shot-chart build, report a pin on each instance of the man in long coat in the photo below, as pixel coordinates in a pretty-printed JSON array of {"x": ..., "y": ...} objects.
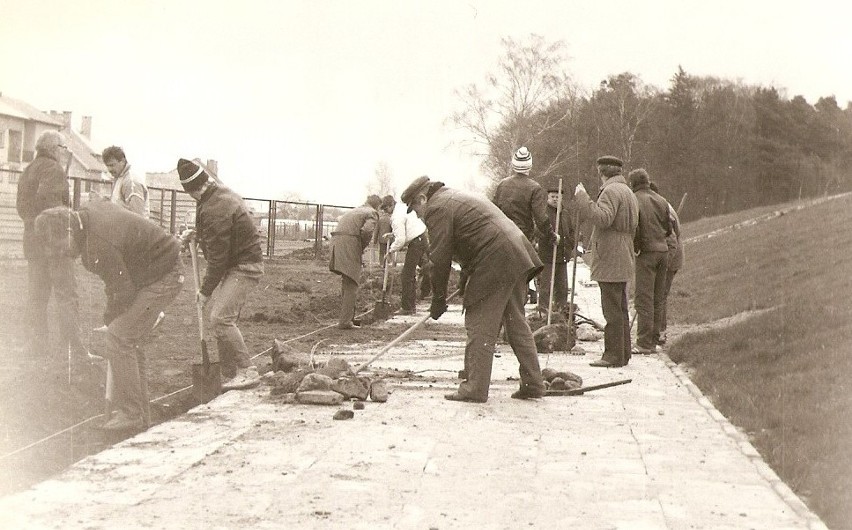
[
  {"x": 614, "y": 217},
  {"x": 44, "y": 185},
  {"x": 499, "y": 261},
  {"x": 354, "y": 232}
]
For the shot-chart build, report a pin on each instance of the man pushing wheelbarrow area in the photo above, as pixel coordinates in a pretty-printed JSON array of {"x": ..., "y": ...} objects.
[
  {"x": 139, "y": 265},
  {"x": 499, "y": 262}
]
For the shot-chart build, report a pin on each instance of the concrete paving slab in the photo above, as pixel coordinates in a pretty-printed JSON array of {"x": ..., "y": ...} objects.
[{"x": 649, "y": 454}]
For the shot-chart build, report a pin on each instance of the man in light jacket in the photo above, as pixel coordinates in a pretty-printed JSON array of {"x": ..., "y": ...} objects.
[
  {"x": 408, "y": 232},
  {"x": 614, "y": 216},
  {"x": 499, "y": 262}
]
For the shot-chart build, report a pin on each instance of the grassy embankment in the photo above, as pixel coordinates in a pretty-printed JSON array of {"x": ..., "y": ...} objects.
[{"x": 781, "y": 370}]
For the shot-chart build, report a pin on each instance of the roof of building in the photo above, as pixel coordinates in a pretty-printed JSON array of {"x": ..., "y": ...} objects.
[
  {"x": 83, "y": 152},
  {"x": 23, "y": 110}
]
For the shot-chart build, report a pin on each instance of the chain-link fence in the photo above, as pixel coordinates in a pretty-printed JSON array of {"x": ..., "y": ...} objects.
[{"x": 284, "y": 226}]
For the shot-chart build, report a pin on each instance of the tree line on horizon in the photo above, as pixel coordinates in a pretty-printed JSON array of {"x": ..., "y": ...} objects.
[{"x": 729, "y": 145}]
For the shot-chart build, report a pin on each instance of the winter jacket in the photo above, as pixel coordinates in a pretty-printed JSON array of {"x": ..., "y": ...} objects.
[
  {"x": 654, "y": 225},
  {"x": 353, "y": 233},
  {"x": 42, "y": 185},
  {"x": 567, "y": 233},
  {"x": 614, "y": 217},
  {"x": 525, "y": 202},
  {"x": 227, "y": 234},
  {"x": 125, "y": 250},
  {"x": 490, "y": 248}
]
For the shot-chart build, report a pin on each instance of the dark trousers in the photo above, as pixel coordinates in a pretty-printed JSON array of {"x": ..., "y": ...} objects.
[
  {"x": 560, "y": 286},
  {"x": 670, "y": 274},
  {"x": 54, "y": 275},
  {"x": 349, "y": 290},
  {"x": 650, "y": 296},
  {"x": 617, "y": 328},
  {"x": 416, "y": 249},
  {"x": 505, "y": 304}
]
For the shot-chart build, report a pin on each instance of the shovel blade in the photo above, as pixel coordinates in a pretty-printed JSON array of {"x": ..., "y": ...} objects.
[
  {"x": 382, "y": 310},
  {"x": 206, "y": 381}
]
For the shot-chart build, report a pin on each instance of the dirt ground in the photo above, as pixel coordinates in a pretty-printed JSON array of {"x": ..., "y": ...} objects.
[{"x": 40, "y": 396}]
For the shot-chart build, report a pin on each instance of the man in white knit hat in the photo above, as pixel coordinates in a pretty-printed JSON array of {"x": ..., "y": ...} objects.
[{"x": 525, "y": 202}]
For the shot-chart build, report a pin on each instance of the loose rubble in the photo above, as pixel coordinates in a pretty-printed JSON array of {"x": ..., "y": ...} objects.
[{"x": 296, "y": 378}]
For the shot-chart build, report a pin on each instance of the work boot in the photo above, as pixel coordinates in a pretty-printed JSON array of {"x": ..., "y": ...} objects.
[
  {"x": 245, "y": 378},
  {"x": 122, "y": 421},
  {"x": 528, "y": 392}
]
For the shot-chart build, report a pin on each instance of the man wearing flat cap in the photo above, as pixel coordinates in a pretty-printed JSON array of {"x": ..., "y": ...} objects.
[
  {"x": 226, "y": 232},
  {"x": 353, "y": 233},
  {"x": 499, "y": 261},
  {"x": 652, "y": 248},
  {"x": 567, "y": 238},
  {"x": 614, "y": 216}
]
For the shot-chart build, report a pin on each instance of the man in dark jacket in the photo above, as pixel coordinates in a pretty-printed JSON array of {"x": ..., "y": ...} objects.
[
  {"x": 231, "y": 244},
  {"x": 139, "y": 265},
  {"x": 524, "y": 202},
  {"x": 567, "y": 240},
  {"x": 675, "y": 263},
  {"x": 44, "y": 185},
  {"x": 499, "y": 261},
  {"x": 354, "y": 231},
  {"x": 650, "y": 243}
]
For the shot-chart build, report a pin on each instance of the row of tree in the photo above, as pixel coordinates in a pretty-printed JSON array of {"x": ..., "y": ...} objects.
[{"x": 729, "y": 145}]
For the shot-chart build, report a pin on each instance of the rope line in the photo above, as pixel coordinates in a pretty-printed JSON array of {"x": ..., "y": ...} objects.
[{"x": 155, "y": 400}]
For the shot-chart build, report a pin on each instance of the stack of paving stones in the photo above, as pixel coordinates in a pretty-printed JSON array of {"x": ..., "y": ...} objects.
[{"x": 294, "y": 378}]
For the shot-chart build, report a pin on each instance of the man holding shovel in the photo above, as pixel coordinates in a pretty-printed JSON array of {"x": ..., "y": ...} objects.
[
  {"x": 499, "y": 261},
  {"x": 559, "y": 272},
  {"x": 408, "y": 232},
  {"x": 354, "y": 232},
  {"x": 231, "y": 245},
  {"x": 142, "y": 273}
]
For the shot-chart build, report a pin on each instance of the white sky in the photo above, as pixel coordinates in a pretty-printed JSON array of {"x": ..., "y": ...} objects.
[{"x": 309, "y": 96}]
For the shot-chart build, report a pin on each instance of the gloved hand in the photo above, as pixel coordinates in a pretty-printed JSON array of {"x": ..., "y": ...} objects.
[
  {"x": 580, "y": 190},
  {"x": 438, "y": 308},
  {"x": 187, "y": 236}
]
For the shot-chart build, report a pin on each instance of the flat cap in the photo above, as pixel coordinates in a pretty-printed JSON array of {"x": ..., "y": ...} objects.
[
  {"x": 609, "y": 160},
  {"x": 414, "y": 189}
]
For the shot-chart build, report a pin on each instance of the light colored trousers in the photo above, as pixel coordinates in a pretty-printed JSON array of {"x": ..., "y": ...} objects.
[
  {"x": 126, "y": 333},
  {"x": 224, "y": 309}
]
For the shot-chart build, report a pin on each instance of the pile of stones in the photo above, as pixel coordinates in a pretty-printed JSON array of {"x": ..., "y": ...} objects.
[
  {"x": 561, "y": 380},
  {"x": 295, "y": 378}
]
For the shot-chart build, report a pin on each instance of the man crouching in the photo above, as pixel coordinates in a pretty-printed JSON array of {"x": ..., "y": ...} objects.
[
  {"x": 138, "y": 263},
  {"x": 499, "y": 262}
]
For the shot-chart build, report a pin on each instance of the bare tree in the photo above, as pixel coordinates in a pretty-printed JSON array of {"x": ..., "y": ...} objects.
[
  {"x": 620, "y": 106},
  {"x": 382, "y": 182},
  {"x": 516, "y": 105}
]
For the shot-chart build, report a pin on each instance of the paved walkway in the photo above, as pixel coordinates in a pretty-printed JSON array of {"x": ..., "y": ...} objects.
[{"x": 650, "y": 454}]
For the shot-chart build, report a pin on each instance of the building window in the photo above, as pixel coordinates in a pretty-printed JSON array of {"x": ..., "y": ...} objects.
[{"x": 16, "y": 146}]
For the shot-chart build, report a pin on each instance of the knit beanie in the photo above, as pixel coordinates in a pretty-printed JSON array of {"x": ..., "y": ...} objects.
[
  {"x": 522, "y": 161},
  {"x": 191, "y": 175}
]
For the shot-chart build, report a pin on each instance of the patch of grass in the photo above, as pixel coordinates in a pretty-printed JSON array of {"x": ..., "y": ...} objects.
[{"x": 781, "y": 375}]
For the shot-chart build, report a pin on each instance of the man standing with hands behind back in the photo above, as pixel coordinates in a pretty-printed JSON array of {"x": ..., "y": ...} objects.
[{"x": 614, "y": 217}]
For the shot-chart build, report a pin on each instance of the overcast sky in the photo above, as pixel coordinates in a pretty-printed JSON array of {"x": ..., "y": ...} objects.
[{"x": 309, "y": 97}]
